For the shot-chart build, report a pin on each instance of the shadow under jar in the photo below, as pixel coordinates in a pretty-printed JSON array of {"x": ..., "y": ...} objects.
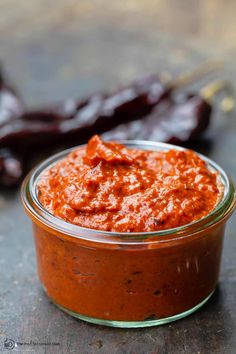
[{"x": 128, "y": 279}]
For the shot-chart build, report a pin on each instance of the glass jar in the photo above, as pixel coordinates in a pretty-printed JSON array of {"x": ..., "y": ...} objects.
[{"x": 128, "y": 279}]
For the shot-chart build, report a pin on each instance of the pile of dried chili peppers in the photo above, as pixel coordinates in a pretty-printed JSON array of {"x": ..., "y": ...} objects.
[{"x": 147, "y": 109}]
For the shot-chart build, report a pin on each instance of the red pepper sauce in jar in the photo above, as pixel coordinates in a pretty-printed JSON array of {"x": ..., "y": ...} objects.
[{"x": 105, "y": 186}]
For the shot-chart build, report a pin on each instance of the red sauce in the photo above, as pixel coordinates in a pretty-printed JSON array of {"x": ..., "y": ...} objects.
[{"x": 106, "y": 186}]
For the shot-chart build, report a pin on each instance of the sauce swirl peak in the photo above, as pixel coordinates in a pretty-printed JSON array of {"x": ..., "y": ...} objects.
[{"x": 106, "y": 186}]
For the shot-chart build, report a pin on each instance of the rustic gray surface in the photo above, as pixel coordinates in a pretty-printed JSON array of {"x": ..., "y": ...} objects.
[{"x": 67, "y": 48}]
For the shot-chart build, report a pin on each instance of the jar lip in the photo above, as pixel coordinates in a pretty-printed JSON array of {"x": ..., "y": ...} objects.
[{"x": 35, "y": 208}]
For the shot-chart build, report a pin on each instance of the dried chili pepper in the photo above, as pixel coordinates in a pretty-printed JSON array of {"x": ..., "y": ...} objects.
[
  {"x": 11, "y": 168},
  {"x": 171, "y": 121},
  {"x": 11, "y": 107},
  {"x": 80, "y": 120},
  {"x": 146, "y": 110}
]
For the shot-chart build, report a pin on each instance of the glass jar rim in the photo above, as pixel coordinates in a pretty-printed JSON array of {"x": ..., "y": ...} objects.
[{"x": 31, "y": 203}]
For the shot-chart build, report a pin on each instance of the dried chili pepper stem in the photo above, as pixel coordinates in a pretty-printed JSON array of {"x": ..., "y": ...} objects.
[
  {"x": 216, "y": 87},
  {"x": 193, "y": 75}
]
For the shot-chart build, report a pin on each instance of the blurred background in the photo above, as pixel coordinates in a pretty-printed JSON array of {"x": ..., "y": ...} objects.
[
  {"x": 68, "y": 48},
  {"x": 54, "y": 50}
]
